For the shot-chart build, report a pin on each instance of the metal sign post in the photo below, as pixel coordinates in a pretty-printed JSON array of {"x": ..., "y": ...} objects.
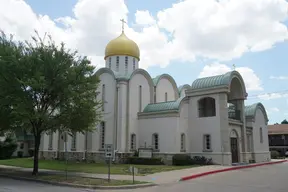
[
  {"x": 64, "y": 138},
  {"x": 134, "y": 171},
  {"x": 108, "y": 156}
]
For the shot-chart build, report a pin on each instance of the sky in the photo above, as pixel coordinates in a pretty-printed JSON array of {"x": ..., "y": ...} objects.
[{"x": 187, "y": 39}]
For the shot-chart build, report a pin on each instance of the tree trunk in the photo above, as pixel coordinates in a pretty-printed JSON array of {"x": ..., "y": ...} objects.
[{"x": 36, "y": 154}]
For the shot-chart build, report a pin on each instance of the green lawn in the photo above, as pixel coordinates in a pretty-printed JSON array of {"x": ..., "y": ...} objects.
[
  {"x": 71, "y": 179},
  {"x": 88, "y": 181},
  {"x": 121, "y": 169}
]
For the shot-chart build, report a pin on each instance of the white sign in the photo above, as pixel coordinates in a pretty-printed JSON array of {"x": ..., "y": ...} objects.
[
  {"x": 108, "y": 147},
  {"x": 108, "y": 150},
  {"x": 145, "y": 153},
  {"x": 135, "y": 170},
  {"x": 108, "y": 154}
]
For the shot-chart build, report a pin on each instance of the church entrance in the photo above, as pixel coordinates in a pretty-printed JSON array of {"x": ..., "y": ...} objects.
[{"x": 234, "y": 150}]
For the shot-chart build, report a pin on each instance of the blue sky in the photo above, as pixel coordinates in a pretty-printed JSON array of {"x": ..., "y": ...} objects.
[{"x": 267, "y": 63}]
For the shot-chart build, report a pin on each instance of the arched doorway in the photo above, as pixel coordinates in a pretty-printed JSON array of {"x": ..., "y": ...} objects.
[{"x": 234, "y": 146}]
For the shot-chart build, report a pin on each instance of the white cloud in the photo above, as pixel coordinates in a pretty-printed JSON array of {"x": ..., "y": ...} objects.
[
  {"x": 252, "y": 81},
  {"x": 222, "y": 29},
  {"x": 144, "y": 18},
  {"x": 269, "y": 96},
  {"x": 272, "y": 110},
  {"x": 279, "y": 77}
]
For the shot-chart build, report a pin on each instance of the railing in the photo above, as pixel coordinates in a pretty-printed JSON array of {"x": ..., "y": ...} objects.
[{"x": 235, "y": 114}]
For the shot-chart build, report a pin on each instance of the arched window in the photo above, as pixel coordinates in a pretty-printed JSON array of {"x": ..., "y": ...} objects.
[
  {"x": 166, "y": 96},
  {"x": 133, "y": 142},
  {"x": 155, "y": 96},
  {"x": 134, "y": 64},
  {"x": 261, "y": 134},
  {"x": 183, "y": 142},
  {"x": 50, "y": 144},
  {"x": 155, "y": 141},
  {"x": 140, "y": 99},
  {"x": 126, "y": 63},
  {"x": 109, "y": 62},
  {"x": 103, "y": 97},
  {"x": 206, "y": 107},
  {"x": 73, "y": 142},
  {"x": 117, "y": 63},
  {"x": 102, "y": 135}
]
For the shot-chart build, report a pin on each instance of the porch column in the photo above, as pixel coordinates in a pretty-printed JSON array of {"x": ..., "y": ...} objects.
[{"x": 241, "y": 107}]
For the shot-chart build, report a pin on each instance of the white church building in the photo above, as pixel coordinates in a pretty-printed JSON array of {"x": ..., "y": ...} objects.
[{"x": 206, "y": 118}]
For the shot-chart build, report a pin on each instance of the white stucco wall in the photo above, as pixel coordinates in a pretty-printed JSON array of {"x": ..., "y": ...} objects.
[
  {"x": 261, "y": 150},
  {"x": 182, "y": 93},
  {"x": 183, "y": 126},
  {"x": 109, "y": 111},
  {"x": 237, "y": 128},
  {"x": 198, "y": 127},
  {"x": 134, "y": 83},
  {"x": 122, "y": 67},
  {"x": 165, "y": 86},
  {"x": 166, "y": 127}
]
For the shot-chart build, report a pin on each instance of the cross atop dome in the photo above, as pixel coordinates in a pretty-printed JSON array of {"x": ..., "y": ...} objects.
[{"x": 123, "y": 22}]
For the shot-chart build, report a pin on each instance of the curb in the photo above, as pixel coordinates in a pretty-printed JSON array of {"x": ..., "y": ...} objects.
[
  {"x": 229, "y": 169},
  {"x": 79, "y": 185}
]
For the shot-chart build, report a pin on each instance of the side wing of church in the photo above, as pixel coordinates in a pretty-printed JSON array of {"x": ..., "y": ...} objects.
[{"x": 207, "y": 118}]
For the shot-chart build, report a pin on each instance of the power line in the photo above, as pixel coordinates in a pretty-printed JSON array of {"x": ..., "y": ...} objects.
[{"x": 257, "y": 96}]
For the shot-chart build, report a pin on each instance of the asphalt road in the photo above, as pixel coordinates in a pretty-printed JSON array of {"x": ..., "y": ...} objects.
[{"x": 271, "y": 178}]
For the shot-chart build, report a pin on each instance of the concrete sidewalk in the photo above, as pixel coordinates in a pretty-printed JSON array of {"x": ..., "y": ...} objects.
[{"x": 157, "y": 178}]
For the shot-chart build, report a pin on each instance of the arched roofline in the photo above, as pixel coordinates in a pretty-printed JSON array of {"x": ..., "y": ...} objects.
[
  {"x": 235, "y": 74},
  {"x": 253, "y": 110},
  {"x": 235, "y": 131},
  {"x": 105, "y": 70},
  {"x": 148, "y": 78},
  {"x": 162, "y": 107},
  {"x": 185, "y": 86},
  {"x": 206, "y": 96},
  {"x": 157, "y": 79},
  {"x": 219, "y": 81}
]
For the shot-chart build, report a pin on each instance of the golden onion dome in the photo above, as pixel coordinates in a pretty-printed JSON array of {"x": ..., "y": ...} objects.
[{"x": 122, "y": 45}]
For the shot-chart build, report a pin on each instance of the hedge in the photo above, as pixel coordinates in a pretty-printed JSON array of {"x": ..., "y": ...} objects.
[
  {"x": 7, "y": 148},
  {"x": 144, "y": 161}
]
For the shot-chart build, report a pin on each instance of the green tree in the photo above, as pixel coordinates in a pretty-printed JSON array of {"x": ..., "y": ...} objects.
[
  {"x": 44, "y": 88},
  {"x": 284, "y": 121}
]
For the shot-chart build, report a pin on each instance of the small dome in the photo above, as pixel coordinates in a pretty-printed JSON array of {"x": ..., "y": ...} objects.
[{"x": 122, "y": 45}]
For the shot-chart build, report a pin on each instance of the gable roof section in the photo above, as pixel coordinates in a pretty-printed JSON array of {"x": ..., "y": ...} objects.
[
  {"x": 214, "y": 81},
  {"x": 163, "y": 106},
  {"x": 278, "y": 129},
  {"x": 250, "y": 110},
  {"x": 185, "y": 86}
]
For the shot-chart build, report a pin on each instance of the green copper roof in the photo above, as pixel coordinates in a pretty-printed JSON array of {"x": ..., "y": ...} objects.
[
  {"x": 183, "y": 87},
  {"x": 156, "y": 79},
  {"x": 126, "y": 76},
  {"x": 163, "y": 106},
  {"x": 213, "y": 81},
  {"x": 250, "y": 110}
]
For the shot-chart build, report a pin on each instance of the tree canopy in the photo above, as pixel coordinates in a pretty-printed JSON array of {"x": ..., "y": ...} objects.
[{"x": 45, "y": 87}]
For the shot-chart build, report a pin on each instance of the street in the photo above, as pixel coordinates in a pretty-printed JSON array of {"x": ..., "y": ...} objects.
[{"x": 262, "y": 179}]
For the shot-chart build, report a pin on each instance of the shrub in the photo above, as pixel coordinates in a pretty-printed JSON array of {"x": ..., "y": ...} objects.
[
  {"x": 181, "y": 159},
  {"x": 31, "y": 152},
  {"x": 7, "y": 148},
  {"x": 19, "y": 154},
  {"x": 275, "y": 154},
  {"x": 184, "y": 159},
  {"x": 201, "y": 160},
  {"x": 144, "y": 161}
]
